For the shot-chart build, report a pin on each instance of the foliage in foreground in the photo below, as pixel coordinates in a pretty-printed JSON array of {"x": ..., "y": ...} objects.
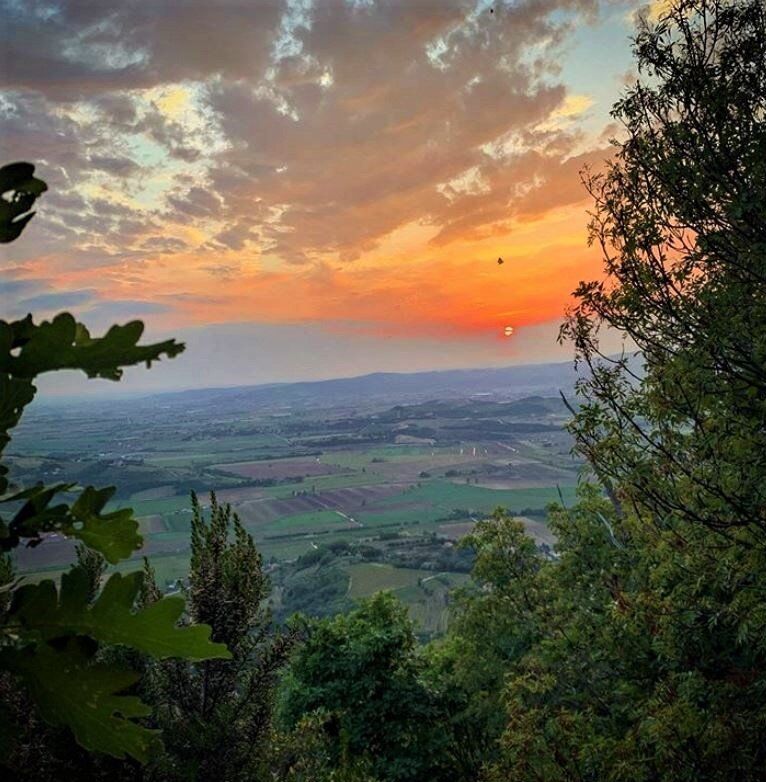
[
  {"x": 216, "y": 715},
  {"x": 638, "y": 652},
  {"x": 49, "y": 638}
]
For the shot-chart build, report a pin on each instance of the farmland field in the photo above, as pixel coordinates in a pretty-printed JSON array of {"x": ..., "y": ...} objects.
[
  {"x": 307, "y": 522},
  {"x": 366, "y": 579},
  {"x": 278, "y": 469},
  {"x": 448, "y": 496},
  {"x": 426, "y": 594},
  {"x": 374, "y": 494}
]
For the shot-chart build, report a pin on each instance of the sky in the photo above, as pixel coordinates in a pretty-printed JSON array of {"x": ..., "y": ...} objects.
[{"x": 304, "y": 190}]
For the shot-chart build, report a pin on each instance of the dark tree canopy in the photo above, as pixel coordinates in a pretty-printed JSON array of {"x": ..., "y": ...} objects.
[{"x": 362, "y": 671}]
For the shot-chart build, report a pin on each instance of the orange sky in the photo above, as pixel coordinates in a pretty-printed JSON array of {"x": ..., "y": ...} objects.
[
  {"x": 406, "y": 285},
  {"x": 355, "y": 167}
]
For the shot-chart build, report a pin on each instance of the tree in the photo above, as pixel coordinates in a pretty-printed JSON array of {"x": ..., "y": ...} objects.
[
  {"x": 50, "y": 637},
  {"x": 494, "y": 624},
  {"x": 680, "y": 216},
  {"x": 215, "y": 715},
  {"x": 361, "y": 672},
  {"x": 580, "y": 683},
  {"x": 304, "y": 754},
  {"x": 650, "y": 660}
]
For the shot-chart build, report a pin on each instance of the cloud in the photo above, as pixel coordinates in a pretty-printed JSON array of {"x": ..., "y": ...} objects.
[
  {"x": 349, "y": 160},
  {"x": 75, "y": 49},
  {"x": 117, "y": 310},
  {"x": 163, "y": 244},
  {"x": 283, "y": 160},
  {"x": 116, "y": 166},
  {"x": 12, "y": 288},
  {"x": 54, "y": 301}
]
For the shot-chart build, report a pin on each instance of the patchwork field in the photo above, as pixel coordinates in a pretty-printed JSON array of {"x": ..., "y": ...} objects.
[
  {"x": 477, "y": 499},
  {"x": 364, "y": 491},
  {"x": 426, "y": 594}
]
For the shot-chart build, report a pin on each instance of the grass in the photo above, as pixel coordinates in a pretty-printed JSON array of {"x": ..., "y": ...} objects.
[
  {"x": 156, "y": 493},
  {"x": 283, "y": 548},
  {"x": 180, "y": 521},
  {"x": 153, "y": 507},
  {"x": 428, "y": 602},
  {"x": 169, "y": 567},
  {"x": 151, "y": 525},
  {"x": 425, "y": 593},
  {"x": 393, "y": 453},
  {"x": 180, "y": 537}
]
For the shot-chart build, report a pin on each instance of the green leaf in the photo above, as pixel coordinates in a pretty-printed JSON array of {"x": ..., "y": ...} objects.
[
  {"x": 113, "y": 534},
  {"x": 19, "y": 190},
  {"x": 72, "y": 690},
  {"x": 37, "y": 610},
  {"x": 28, "y": 349}
]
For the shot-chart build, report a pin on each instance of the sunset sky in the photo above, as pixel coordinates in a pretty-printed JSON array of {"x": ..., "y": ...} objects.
[{"x": 306, "y": 190}]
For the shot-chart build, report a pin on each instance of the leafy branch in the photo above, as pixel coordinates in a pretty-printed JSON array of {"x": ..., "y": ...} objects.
[{"x": 49, "y": 637}]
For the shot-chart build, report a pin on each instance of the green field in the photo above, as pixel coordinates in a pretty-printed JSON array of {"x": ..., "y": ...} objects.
[
  {"x": 450, "y": 496},
  {"x": 367, "y": 578},
  {"x": 391, "y": 453},
  {"x": 157, "y": 493},
  {"x": 401, "y": 516},
  {"x": 386, "y": 501},
  {"x": 152, "y": 507},
  {"x": 425, "y": 593},
  {"x": 179, "y": 521},
  {"x": 326, "y": 482},
  {"x": 168, "y": 568},
  {"x": 305, "y": 522},
  {"x": 428, "y": 602},
  {"x": 283, "y": 548}
]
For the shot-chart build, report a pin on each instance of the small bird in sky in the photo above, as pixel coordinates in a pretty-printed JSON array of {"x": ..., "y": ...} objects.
[{"x": 500, "y": 261}]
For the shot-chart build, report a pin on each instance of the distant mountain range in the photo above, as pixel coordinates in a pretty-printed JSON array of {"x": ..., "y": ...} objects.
[{"x": 504, "y": 383}]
